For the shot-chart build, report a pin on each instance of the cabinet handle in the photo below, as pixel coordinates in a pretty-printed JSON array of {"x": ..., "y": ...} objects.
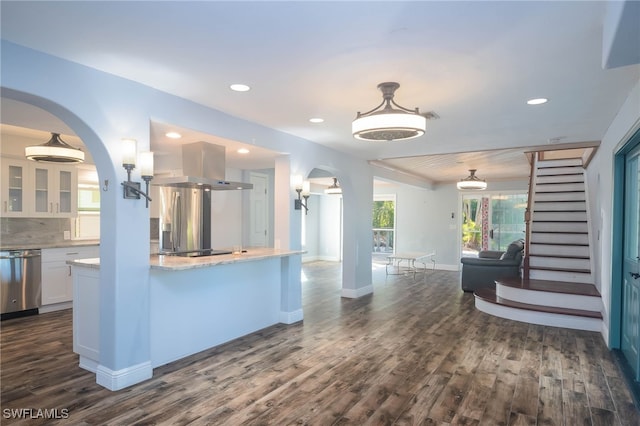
[
  {"x": 57, "y": 207},
  {"x": 50, "y": 207},
  {"x": 69, "y": 269}
]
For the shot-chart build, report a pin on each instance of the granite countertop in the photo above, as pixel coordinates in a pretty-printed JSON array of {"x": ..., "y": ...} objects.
[
  {"x": 57, "y": 244},
  {"x": 177, "y": 263},
  {"x": 93, "y": 262}
]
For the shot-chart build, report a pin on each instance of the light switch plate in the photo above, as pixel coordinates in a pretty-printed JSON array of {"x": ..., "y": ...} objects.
[{"x": 67, "y": 235}]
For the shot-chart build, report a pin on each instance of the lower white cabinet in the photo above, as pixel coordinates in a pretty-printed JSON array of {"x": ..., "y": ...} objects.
[
  {"x": 57, "y": 282},
  {"x": 86, "y": 315}
]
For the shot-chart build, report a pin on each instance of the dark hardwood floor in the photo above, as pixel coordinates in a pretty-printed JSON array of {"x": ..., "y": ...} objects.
[{"x": 414, "y": 352}]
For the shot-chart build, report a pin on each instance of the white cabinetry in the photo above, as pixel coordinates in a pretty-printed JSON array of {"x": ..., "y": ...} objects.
[
  {"x": 86, "y": 315},
  {"x": 32, "y": 189},
  {"x": 14, "y": 178},
  {"x": 54, "y": 191},
  {"x": 57, "y": 280}
]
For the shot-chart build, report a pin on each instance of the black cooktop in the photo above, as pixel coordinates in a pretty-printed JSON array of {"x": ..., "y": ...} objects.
[{"x": 198, "y": 253}]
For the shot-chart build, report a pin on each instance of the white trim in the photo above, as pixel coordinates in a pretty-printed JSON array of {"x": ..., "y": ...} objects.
[
  {"x": 548, "y": 298},
  {"x": 120, "y": 379},
  {"x": 55, "y": 307},
  {"x": 291, "y": 317},
  {"x": 88, "y": 364},
  {"x": 444, "y": 267},
  {"x": 540, "y": 318},
  {"x": 359, "y": 292}
]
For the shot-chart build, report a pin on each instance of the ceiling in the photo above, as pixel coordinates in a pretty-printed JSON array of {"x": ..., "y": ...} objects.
[{"x": 475, "y": 64}]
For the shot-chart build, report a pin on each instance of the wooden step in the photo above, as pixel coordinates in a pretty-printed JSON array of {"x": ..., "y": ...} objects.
[
  {"x": 571, "y": 250},
  {"x": 489, "y": 302},
  {"x": 565, "y": 162},
  {"x": 559, "y": 187},
  {"x": 564, "y": 216},
  {"x": 559, "y": 171},
  {"x": 551, "y": 286},
  {"x": 554, "y": 274},
  {"x": 567, "y": 227},
  {"x": 559, "y": 238},
  {"x": 557, "y": 263},
  {"x": 565, "y": 178},
  {"x": 548, "y": 206},
  {"x": 559, "y": 196}
]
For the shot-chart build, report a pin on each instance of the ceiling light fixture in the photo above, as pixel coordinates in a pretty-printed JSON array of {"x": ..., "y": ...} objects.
[
  {"x": 243, "y": 151},
  {"x": 472, "y": 182},
  {"x": 537, "y": 101},
  {"x": 173, "y": 135},
  {"x": 240, "y": 87},
  {"x": 334, "y": 188},
  {"x": 54, "y": 151},
  {"x": 316, "y": 120},
  {"x": 388, "y": 123}
]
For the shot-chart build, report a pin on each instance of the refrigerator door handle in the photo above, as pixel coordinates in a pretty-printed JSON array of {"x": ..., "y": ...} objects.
[{"x": 176, "y": 227}]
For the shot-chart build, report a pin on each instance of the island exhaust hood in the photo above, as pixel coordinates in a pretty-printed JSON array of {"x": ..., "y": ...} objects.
[{"x": 203, "y": 166}]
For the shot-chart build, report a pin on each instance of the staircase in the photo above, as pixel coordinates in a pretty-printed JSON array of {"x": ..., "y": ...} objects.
[{"x": 557, "y": 285}]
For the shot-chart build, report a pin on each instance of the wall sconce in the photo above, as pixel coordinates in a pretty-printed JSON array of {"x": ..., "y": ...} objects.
[
  {"x": 303, "y": 188},
  {"x": 131, "y": 190}
]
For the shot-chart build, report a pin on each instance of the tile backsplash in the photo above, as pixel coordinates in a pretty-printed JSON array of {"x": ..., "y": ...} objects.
[{"x": 17, "y": 230}]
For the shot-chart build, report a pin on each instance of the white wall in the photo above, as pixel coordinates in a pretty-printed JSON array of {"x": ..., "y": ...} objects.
[
  {"x": 600, "y": 179},
  {"x": 323, "y": 232}
]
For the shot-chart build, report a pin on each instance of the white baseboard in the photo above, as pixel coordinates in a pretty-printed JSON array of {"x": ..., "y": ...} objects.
[
  {"x": 291, "y": 317},
  {"x": 359, "y": 292},
  {"x": 443, "y": 267},
  {"x": 55, "y": 307},
  {"x": 88, "y": 364},
  {"x": 120, "y": 379}
]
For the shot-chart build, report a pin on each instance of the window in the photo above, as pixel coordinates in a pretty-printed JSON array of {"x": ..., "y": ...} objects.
[{"x": 384, "y": 225}]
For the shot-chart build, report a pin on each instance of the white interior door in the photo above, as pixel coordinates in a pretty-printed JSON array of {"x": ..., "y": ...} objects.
[{"x": 259, "y": 211}]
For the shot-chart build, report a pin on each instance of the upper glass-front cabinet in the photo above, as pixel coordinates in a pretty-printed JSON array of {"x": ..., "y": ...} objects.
[
  {"x": 38, "y": 190},
  {"x": 41, "y": 191},
  {"x": 13, "y": 187}
]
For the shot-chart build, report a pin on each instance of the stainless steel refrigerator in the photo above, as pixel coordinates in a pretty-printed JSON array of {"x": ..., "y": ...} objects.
[{"x": 185, "y": 220}]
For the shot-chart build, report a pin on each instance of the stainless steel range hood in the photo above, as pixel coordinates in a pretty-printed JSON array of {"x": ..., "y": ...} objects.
[{"x": 203, "y": 166}]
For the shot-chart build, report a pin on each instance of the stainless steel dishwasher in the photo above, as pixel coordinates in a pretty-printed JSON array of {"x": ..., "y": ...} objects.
[{"x": 21, "y": 282}]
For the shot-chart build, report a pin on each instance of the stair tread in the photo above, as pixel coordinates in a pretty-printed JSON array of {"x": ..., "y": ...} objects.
[
  {"x": 559, "y": 244},
  {"x": 489, "y": 295},
  {"x": 548, "y": 268},
  {"x": 562, "y": 256},
  {"x": 565, "y": 287},
  {"x": 558, "y": 232}
]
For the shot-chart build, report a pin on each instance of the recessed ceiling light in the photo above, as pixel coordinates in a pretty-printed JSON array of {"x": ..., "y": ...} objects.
[
  {"x": 243, "y": 151},
  {"x": 240, "y": 87},
  {"x": 316, "y": 120},
  {"x": 173, "y": 135},
  {"x": 537, "y": 101}
]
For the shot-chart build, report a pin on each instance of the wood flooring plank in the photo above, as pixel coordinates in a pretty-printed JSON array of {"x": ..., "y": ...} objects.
[
  {"x": 526, "y": 397},
  {"x": 550, "y": 401},
  {"x": 575, "y": 408}
]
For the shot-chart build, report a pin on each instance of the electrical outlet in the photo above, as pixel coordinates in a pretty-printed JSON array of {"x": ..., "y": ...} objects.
[{"x": 67, "y": 235}]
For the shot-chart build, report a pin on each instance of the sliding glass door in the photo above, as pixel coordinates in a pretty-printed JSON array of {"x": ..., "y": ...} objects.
[{"x": 491, "y": 221}]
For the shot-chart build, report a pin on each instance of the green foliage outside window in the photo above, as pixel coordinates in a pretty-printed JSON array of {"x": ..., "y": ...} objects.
[{"x": 383, "y": 214}]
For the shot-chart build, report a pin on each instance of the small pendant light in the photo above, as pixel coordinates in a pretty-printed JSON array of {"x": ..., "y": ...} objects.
[{"x": 54, "y": 151}]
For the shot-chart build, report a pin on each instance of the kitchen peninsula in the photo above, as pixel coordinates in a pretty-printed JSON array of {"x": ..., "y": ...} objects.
[{"x": 195, "y": 303}]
